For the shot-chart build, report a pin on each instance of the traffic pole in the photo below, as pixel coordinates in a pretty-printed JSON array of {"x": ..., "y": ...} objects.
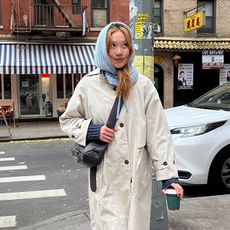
[{"x": 141, "y": 24}]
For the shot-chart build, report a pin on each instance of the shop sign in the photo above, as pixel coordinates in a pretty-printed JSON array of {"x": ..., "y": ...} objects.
[
  {"x": 212, "y": 59},
  {"x": 194, "y": 22}
]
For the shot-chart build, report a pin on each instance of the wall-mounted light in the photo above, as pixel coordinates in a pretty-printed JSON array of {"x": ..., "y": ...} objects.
[{"x": 176, "y": 60}]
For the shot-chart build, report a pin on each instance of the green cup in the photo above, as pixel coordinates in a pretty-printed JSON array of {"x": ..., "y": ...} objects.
[{"x": 173, "y": 201}]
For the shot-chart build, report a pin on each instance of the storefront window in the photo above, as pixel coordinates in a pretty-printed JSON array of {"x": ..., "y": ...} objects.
[
  {"x": 66, "y": 84},
  {"x": 60, "y": 86},
  {"x": 7, "y": 86}
]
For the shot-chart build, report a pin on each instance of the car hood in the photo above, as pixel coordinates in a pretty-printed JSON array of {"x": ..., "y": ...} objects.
[{"x": 184, "y": 116}]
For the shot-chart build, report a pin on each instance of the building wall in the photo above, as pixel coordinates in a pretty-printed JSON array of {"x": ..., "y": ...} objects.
[
  {"x": 223, "y": 18},
  {"x": 174, "y": 17}
]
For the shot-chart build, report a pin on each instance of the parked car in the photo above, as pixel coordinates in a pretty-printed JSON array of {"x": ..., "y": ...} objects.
[{"x": 201, "y": 135}]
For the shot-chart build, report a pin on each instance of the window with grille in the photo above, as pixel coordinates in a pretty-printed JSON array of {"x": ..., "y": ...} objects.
[
  {"x": 157, "y": 14},
  {"x": 99, "y": 13},
  {"x": 76, "y": 8},
  {"x": 208, "y": 7}
]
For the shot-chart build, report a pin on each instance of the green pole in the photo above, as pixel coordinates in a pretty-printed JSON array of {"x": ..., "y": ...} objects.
[{"x": 141, "y": 24}]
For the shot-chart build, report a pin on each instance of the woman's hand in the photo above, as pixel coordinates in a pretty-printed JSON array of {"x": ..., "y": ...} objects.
[
  {"x": 106, "y": 134},
  {"x": 179, "y": 190}
]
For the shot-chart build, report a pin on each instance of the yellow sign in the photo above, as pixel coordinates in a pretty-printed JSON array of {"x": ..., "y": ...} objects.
[
  {"x": 144, "y": 65},
  {"x": 142, "y": 17},
  {"x": 194, "y": 22}
]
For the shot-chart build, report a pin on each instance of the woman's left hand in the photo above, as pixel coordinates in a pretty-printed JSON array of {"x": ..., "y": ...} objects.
[{"x": 178, "y": 188}]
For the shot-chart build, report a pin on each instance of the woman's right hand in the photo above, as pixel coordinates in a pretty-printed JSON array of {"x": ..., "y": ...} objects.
[{"x": 106, "y": 134}]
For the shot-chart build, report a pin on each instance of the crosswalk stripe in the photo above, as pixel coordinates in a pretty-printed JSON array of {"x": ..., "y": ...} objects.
[
  {"x": 7, "y": 159},
  {"x": 15, "y": 167},
  {"x": 7, "y": 221},
  {"x": 22, "y": 178},
  {"x": 1, "y": 152},
  {"x": 32, "y": 194}
]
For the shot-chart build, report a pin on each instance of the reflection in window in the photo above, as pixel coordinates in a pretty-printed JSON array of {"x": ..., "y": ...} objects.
[
  {"x": 76, "y": 9},
  {"x": 157, "y": 13},
  {"x": 66, "y": 84},
  {"x": 60, "y": 88},
  {"x": 7, "y": 86},
  {"x": 208, "y": 7},
  {"x": 99, "y": 13}
]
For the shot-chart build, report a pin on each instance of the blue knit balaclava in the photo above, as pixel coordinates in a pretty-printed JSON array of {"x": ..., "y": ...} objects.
[{"x": 101, "y": 58}]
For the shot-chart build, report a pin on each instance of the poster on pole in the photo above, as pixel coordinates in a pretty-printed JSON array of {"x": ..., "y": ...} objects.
[
  {"x": 225, "y": 74},
  {"x": 185, "y": 77}
]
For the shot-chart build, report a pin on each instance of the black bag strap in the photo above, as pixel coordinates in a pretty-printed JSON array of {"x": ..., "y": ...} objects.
[
  {"x": 110, "y": 124},
  {"x": 113, "y": 114}
]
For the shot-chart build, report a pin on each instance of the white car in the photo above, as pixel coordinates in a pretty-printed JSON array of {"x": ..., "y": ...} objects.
[{"x": 201, "y": 135}]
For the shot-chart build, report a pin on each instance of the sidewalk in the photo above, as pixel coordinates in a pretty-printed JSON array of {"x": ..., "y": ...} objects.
[
  {"x": 203, "y": 213},
  {"x": 32, "y": 130}
]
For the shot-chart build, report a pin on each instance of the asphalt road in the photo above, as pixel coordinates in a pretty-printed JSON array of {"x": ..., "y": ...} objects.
[
  {"x": 40, "y": 180},
  {"x": 44, "y": 182}
]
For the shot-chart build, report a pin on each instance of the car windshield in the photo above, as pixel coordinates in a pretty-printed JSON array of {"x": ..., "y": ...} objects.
[{"x": 218, "y": 99}]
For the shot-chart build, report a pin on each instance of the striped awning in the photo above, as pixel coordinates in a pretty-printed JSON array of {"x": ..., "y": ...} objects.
[{"x": 46, "y": 58}]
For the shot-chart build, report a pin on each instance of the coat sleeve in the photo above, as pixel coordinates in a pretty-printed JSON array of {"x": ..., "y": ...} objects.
[
  {"x": 159, "y": 139},
  {"x": 73, "y": 121}
]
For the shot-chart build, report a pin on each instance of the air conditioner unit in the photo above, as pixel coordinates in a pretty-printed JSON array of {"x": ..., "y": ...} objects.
[{"x": 157, "y": 28}]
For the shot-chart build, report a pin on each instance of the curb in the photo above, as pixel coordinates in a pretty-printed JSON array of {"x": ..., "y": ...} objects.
[
  {"x": 8, "y": 139},
  {"x": 69, "y": 221}
]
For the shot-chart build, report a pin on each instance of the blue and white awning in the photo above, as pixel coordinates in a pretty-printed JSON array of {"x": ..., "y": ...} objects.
[{"x": 46, "y": 58}]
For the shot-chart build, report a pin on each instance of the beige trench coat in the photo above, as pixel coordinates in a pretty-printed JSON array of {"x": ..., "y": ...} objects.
[{"x": 142, "y": 140}]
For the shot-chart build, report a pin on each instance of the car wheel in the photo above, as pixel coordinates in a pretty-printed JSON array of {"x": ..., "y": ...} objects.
[{"x": 219, "y": 177}]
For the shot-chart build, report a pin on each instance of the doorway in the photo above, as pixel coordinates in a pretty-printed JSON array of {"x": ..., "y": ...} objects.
[
  {"x": 159, "y": 81},
  {"x": 29, "y": 94}
]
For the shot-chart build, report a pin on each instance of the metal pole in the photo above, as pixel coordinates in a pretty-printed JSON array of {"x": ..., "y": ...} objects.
[{"x": 141, "y": 24}]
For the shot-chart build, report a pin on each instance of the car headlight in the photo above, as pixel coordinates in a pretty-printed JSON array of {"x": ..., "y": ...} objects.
[{"x": 196, "y": 130}]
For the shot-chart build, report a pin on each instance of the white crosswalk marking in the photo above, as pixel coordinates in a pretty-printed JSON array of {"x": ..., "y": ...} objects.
[
  {"x": 7, "y": 159},
  {"x": 32, "y": 194},
  {"x": 15, "y": 167},
  {"x": 22, "y": 178},
  {"x": 10, "y": 221},
  {"x": 7, "y": 221}
]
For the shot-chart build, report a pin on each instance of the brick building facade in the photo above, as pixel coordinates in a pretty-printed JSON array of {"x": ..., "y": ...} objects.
[
  {"x": 171, "y": 39},
  {"x": 46, "y": 46}
]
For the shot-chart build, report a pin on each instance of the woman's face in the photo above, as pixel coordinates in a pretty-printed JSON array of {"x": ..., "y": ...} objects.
[{"x": 118, "y": 51}]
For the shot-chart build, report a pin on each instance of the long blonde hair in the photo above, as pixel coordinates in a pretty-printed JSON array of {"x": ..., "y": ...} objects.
[{"x": 124, "y": 78}]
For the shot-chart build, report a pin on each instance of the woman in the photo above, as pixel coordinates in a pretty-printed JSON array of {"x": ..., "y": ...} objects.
[{"x": 140, "y": 139}]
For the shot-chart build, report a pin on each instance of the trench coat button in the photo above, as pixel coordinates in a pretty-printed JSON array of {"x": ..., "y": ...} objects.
[
  {"x": 72, "y": 136},
  {"x": 126, "y": 162},
  {"x": 165, "y": 163},
  {"x": 121, "y": 125}
]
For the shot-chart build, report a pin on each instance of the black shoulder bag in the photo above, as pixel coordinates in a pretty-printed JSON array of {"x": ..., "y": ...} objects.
[{"x": 92, "y": 154}]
